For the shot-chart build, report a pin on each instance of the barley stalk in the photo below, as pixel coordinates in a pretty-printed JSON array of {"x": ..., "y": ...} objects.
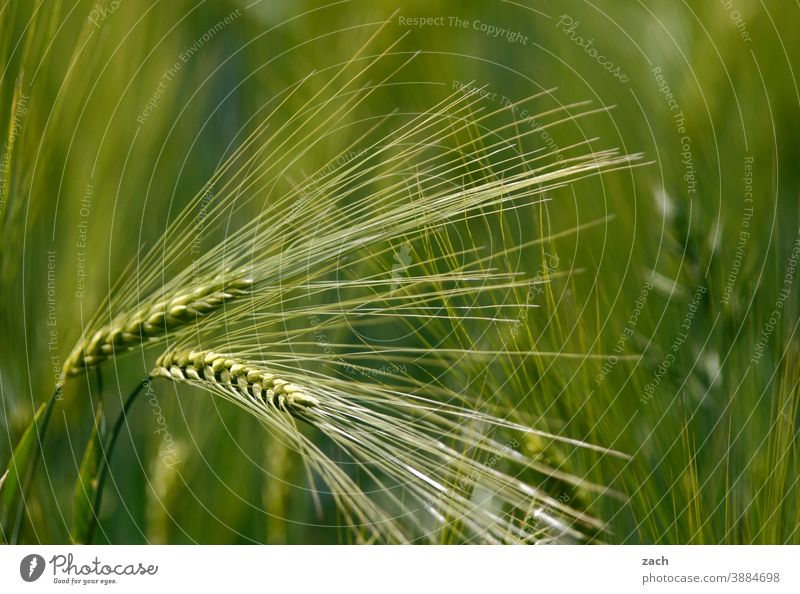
[
  {"x": 133, "y": 330},
  {"x": 401, "y": 441},
  {"x": 417, "y": 441}
]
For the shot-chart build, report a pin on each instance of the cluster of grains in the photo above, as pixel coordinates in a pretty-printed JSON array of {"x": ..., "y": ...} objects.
[
  {"x": 250, "y": 381},
  {"x": 133, "y": 330}
]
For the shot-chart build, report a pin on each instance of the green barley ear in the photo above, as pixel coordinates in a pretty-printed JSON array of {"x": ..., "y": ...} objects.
[
  {"x": 424, "y": 459},
  {"x": 251, "y": 381},
  {"x": 413, "y": 173},
  {"x": 154, "y": 321}
]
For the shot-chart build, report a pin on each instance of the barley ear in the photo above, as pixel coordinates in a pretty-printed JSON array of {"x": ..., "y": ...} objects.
[
  {"x": 254, "y": 383},
  {"x": 129, "y": 331}
]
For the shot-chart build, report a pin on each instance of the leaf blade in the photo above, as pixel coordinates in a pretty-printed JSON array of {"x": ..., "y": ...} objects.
[
  {"x": 24, "y": 454},
  {"x": 85, "y": 500}
]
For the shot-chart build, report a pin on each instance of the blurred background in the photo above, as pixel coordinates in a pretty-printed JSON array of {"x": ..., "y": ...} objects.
[{"x": 115, "y": 114}]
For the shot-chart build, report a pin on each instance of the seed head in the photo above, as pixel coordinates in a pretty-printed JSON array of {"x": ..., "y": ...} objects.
[
  {"x": 148, "y": 323},
  {"x": 251, "y": 381}
]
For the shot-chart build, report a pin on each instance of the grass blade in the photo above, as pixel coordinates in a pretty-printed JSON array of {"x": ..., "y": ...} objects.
[
  {"x": 88, "y": 494},
  {"x": 84, "y": 497},
  {"x": 20, "y": 469}
]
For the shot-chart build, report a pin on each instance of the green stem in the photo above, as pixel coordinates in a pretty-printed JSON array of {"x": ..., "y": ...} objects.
[
  {"x": 102, "y": 471},
  {"x": 41, "y": 431}
]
